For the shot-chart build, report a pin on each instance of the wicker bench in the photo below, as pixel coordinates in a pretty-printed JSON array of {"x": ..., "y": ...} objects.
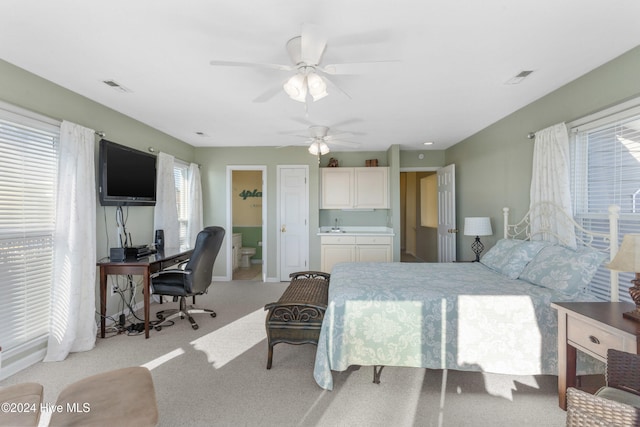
[{"x": 297, "y": 316}]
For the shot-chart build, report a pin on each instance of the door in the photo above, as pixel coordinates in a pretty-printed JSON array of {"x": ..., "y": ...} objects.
[
  {"x": 293, "y": 197},
  {"x": 447, "y": 214}
]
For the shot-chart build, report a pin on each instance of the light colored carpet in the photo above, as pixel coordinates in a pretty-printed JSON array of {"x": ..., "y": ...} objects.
[{"x": 216, "y": 376}]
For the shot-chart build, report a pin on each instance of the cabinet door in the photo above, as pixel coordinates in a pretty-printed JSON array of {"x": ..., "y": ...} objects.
[
  {"x": 337, "y": 188},
  {"x": 373, "y": 253},
  {"x": 333, "y": 254},
  {"x": 371, "y": 188}
]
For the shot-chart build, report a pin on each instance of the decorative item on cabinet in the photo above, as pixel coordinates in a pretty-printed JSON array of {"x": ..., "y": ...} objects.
[
  {"x": 371, "y": 163},
  {"x": 333, "y": 163}
]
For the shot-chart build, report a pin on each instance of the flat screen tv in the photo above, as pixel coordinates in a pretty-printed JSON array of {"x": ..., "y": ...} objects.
[{"x": 127, "y": 177}]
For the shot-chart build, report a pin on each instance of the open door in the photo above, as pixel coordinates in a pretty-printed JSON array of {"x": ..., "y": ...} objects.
[{"x": 447, "y": 214}]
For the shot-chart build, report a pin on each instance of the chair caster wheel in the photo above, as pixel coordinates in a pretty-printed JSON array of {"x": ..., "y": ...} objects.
[
  {"x": 195, "y": 327},
  {"x": 158, "y": 328},
  {"x": 213, "y": 315}
]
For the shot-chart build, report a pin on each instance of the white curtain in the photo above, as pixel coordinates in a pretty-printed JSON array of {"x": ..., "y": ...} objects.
[
  {"x": 550, "y": 182},
  {"x": 165, "y": 214},
  {"x": 195, "y": 221},
  {"x": 72, "y": 326}
]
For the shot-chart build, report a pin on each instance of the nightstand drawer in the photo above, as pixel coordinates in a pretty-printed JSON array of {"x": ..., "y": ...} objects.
[{"x": 592, "y": 338}]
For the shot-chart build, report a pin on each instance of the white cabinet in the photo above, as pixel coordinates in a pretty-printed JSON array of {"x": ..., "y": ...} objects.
[
  {"x": 373, "y": 248},
  {"x": 355, "y": 188},
  {"x": 336, "y": 249},
  {"x": 337, "y": 188}
]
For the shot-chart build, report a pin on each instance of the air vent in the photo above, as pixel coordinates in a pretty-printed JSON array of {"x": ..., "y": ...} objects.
[
  {"x": 518, "y": 78},
  {"x": 116, "y": 85}
]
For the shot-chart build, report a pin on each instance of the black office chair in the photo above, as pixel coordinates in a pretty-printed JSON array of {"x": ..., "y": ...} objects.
[{"x": 193, "y": 280}]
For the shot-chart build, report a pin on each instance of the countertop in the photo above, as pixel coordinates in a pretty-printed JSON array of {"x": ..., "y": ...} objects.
[{"x": 356, "y": 231}]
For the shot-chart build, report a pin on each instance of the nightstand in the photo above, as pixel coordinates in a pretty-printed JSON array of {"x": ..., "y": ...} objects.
[{"x": 593, "y": 328}]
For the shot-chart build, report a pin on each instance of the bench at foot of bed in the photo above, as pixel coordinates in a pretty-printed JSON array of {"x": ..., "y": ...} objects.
[{"x": 297, "y": 316}]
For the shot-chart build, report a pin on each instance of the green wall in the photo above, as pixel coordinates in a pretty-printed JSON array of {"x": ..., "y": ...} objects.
[
  {"x": 493, "y": 167},
  {"x": 214, "y": 162}
]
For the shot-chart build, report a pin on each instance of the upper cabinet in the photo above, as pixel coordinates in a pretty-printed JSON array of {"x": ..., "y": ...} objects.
[{"x": 355, "y": 188}]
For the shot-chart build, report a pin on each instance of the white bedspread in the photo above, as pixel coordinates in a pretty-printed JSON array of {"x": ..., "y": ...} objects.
[{"x": 460, "y": 316}]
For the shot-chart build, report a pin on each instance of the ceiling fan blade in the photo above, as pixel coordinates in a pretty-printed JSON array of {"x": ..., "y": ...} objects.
[
  {"x": 344, "y": 143},
  {"x": 359, "y": 39},
  {"x": 354, "y": 67},
  {"x": 338, "y": 136},
  {"x": 335, "y": 86},
  {"x": 251, "y": 64},
  {"x": 268, "y": 94},
  {"x": 313, "y": 43},
  {"x": 345, "y": 123}
]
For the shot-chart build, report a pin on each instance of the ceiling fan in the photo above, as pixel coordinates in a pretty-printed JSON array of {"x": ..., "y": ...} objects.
[
  {"x": 319, "y": 140},
  {"x": 310, "y": 78}
]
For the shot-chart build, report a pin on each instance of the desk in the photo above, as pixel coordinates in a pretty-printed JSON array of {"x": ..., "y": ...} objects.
[
  {"x": 593, "y": 328},
  {"x": 138, "y": 267}
]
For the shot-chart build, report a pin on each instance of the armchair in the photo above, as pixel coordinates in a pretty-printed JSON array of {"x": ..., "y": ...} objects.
[
  {"x": 193, "y": 280},
  {"x": 615, "y": 404}
]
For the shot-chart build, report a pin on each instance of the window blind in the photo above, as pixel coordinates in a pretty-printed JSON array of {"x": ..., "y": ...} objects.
[
  {"x": 606, "y": 171},
  {"x": 180, "y": 175},
  {"x": 28, "y": 155}
]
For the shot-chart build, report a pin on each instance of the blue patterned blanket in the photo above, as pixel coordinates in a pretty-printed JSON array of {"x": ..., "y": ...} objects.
[{"x": 461, "y": 316}]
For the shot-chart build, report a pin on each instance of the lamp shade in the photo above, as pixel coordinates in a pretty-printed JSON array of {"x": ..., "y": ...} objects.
[
  {"x": 477, "y": 226},
  {"x": 628, "y": 257}
]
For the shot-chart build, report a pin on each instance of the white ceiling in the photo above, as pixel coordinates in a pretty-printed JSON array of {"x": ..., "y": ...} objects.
[{"x": 454, "y": 58}]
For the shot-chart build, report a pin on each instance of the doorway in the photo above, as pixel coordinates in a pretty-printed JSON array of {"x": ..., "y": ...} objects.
[
  {"x": 418, "y": 207},
  {"x": 246, "y": 203}
]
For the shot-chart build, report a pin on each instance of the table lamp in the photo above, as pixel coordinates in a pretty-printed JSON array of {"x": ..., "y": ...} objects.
[
  {"x": 628, "y": 259},
  {"x": 477, "y": 226}
]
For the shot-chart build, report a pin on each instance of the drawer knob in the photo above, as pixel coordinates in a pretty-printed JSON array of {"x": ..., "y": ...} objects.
[{"x": 594, "y": 339}]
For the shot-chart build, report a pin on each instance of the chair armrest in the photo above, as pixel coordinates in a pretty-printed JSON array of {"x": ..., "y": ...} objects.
[
  {"x": 623, "y": 371},
  {"x": 170, "y": 271},
  {"x": 584, "y": 409}
]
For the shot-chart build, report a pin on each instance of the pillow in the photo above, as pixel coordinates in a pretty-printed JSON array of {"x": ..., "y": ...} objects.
[
  {"x": 563, "y": 269},
  {"x": 510, "y": 256}
]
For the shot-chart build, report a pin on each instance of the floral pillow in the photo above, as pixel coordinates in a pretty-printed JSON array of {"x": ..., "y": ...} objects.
[
  {"x": 563, "y": 269},
  {"x": 510, "y": 256}
]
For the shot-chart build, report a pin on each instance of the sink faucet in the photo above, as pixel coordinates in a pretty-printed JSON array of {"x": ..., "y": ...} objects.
[{"x": 336, "y": 227}]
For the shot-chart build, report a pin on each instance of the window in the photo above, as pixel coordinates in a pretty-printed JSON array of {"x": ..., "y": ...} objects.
[
  {"x": 28, "y": 154},
  {"x": 606, "y": 171},
  {"x": 181, "y": 177}
]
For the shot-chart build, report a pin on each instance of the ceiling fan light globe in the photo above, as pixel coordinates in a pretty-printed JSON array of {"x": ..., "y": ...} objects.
[
  {"x": 296, "y": 88},
  {"x": 324, "y": 148},
  {"x": 314, "y": 148},
  {"x": 317, "y": 86}
]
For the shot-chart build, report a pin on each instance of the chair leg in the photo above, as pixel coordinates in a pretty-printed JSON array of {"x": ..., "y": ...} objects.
[
  {"x": 183, "y": 311},
  {"x": 270, "y": 356}
]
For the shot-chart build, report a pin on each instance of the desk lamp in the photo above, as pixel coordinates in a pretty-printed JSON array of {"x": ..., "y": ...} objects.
[
  {"x": 477, "y": 226},
  {"x": 628, "y": 259}
]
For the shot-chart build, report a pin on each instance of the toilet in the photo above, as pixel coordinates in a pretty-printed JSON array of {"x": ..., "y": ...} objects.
[{"x": 246, "y": 254}]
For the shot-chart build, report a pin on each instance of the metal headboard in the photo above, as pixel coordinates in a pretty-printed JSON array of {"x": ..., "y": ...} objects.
[{"x": 543, "y": 211}]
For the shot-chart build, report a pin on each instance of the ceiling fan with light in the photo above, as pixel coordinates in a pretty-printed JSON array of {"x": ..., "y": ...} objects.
[
  {"x": 319, "y": 140},
  {"x": 310, "y": 78}
]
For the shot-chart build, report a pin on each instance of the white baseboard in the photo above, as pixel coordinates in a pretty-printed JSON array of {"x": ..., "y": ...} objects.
[{"x": 22, "y": 363}]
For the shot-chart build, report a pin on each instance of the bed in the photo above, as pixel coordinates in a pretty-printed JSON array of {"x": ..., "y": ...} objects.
[{"x": 492, "y": 316}]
